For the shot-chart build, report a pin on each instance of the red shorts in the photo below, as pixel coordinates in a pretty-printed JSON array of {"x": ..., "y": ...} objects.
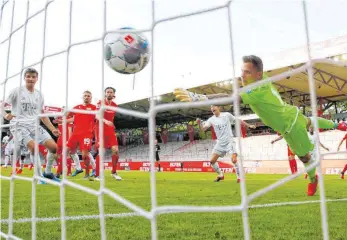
[
  {"x": 110, "y": 139},
  {"x": 290, "y": 153},
  {"x": 84, "y": 141},
  {"x": 60, "y": 144}
]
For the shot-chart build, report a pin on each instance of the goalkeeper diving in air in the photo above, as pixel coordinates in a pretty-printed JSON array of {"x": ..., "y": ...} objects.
[{"x": 267, "y": 103}]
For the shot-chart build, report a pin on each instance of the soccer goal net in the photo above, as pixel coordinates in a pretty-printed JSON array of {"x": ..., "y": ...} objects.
[{"x": 8, "y": 14}]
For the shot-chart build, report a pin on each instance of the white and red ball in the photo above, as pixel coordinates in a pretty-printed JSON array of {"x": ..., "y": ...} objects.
[{"x": 127, "y": 52}]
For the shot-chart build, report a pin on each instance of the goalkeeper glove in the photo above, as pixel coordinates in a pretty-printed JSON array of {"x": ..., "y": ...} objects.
[{"x": 185, "y": 96}]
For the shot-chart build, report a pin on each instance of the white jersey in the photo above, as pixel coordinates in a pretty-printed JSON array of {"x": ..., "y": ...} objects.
[
  {"x": 26, "y": 105},
  {"x": 222, "y": 127},
  {"x": 5, "y": 139}
]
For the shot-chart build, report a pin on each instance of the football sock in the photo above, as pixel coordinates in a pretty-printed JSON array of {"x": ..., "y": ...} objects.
[
  {"x": 76, "y": 161},
  {"x": 50, "y": 160},
  {"x": 236, "y": 166},
  {"x": 7, "y": 160},
  {"x": 344, "y": 169},
  {"x": 92, "y": 160},
  {"x": 215, "y": 166},
  {"x": 97, "y": 168},
  {"x": 86, "y": 163},
  {"x": 69, "y": 165},
  {"x": 60, "y": 165},
  {"x": 114, "y": 163},
  {"x": 21, "y": 163}
]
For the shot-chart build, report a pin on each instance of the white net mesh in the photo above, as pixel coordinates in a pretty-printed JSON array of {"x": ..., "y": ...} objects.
[{"x": 151, "y": 215}]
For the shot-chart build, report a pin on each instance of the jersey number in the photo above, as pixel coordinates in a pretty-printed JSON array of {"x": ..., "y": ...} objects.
[{"x": 86, "y": 141}]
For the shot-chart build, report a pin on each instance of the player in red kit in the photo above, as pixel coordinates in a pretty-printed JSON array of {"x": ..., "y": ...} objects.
[
  {"x": 291, "y": 156},
  {"x": 109, "y": 136},
  {"x": 338, "y": 149},
  {"x": 82, "y": 134},
  {"x": 60, "y": 144}
]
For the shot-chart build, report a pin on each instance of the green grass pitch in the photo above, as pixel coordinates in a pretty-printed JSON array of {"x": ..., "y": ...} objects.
[{"x": 302, "y": 221}]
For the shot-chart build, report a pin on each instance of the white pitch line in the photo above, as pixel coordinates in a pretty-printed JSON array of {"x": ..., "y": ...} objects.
[
  {"x": 294, "y": 203},
  {"x": 83, "y": 217},
  {"x": 133, "y": 214}
]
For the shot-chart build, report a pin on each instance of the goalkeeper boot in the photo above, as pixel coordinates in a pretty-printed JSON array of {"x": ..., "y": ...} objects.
[
  {"x": 312, "y": 187},
  {"x": 342, "y": 175}
]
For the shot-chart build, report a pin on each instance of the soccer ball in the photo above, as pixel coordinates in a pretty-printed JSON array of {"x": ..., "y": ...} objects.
[{"x": 126, "y": 53}]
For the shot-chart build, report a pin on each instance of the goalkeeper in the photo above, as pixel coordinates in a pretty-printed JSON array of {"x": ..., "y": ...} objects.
[{"x": 267, "y": 103}]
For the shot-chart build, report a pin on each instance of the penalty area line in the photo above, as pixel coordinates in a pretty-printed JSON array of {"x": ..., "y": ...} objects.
[
  {"x": 133, "y": 214},
  {"x": 294, "y": 203}
]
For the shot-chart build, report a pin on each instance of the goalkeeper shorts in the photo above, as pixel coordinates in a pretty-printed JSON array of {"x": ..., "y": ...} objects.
[{"x": 297, "y": 138}]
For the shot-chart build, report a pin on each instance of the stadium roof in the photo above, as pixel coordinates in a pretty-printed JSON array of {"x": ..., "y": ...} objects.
[{"x": 330, "y": 81}]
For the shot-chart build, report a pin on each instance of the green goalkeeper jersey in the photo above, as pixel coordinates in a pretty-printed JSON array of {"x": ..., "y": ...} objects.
[{"x": 267, "y": 103}]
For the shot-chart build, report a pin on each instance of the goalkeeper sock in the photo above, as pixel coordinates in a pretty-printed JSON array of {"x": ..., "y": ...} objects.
[
  {"x": 76, "y": 161},
  {"x": 236, "y": 166},
  {"x": 312, "y": 173},
  {"x": 50, "y": 160},
  {"x": 324, "y": 123},
  {"x": 215, "y": 166}
]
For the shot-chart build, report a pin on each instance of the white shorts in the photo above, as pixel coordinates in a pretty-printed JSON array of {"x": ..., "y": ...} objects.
[
  {"x": 9, "y": 149},
  {"x": 27, "y": 134},
  {"x": 224, "y": 148}
]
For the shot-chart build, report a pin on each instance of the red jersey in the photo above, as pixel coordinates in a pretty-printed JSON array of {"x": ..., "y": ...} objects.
[
  {"x": 84, "y": 123},
  {"x": 60, "y": 126},
  {"x": 342, "y": 126},
  {"x": 109, "y": 115}
]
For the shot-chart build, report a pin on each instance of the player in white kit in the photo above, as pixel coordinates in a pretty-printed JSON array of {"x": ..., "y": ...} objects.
[
  {"x": 312, "y": 136},
  {"x": 8, "y": 145},
  {"x": 221, "y": 122},
  {"x": 27, "y": 103},
  {"x": 5, "y": 140}
]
